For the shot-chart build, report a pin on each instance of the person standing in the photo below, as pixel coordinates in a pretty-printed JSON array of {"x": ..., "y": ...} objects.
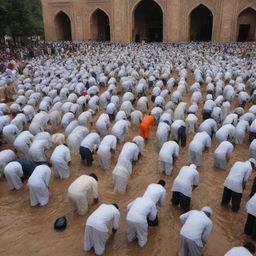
[
  {"x": 196, "y": 229},
  {"x": 96, "y": 229}
]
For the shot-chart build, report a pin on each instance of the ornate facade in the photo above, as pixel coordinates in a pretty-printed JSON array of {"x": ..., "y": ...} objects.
[{"x": 150, "y": 20}]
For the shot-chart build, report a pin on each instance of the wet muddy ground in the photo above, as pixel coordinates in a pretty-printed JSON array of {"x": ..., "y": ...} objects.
[{"x": 26, "y": 230}]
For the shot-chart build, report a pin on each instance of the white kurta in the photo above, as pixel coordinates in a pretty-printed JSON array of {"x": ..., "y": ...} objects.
[
  {"x": 156, "y": 193},
  {"x": 119, "y": 129},
  {"x": 162, "y": 133},
  {"x": 96, "y": 230},
  {"x": 138, "y": 211},
  {"x": 102, "y": 124},
  {"x": 60, "y": 159},
  {"x": 251, "y": 205},
  {"x": 168, "y": 152},
  {"x": 239, "y": 173},
  {"x": 197, "y": 226},
  {"x": 185, "y": 180},
  {"x": 13, "y": 173},
  {"x": 10, "y": 133},
  {"x": 238, "y": 251},
  {"x": 107, "y": 144},
  {"x": 23, "y": 142},
  {"x": 222, "y": 154},
  {"x": 37, "y": 150},
  {"x": 6, "y": 156},
  {"x": 38, "y": 184}
]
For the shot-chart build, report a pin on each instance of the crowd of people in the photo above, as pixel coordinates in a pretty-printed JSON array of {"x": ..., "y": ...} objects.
[{"x": 83, "y": 98}]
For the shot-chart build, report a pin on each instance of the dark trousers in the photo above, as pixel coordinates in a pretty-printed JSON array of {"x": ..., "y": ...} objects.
[
  {"x": 206, "y": 114},
  {"x": 86, "y": 154},
  {"x": 111, "y": 117},
  {"x": 180, "y": 199},
  {"x": 235, "y": 198},
  {"x": 252, "y": 136},
  {"x": 250, "y": 226},
  {"x": 153, "y": 98},
  {"x": 182, "y": 137}
]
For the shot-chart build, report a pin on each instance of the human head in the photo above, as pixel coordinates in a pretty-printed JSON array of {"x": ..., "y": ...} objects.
[
  {"x": 116, "y": 205},
  {"x": 207, "y": 210},
  {"x": 250, "y": 247},
  {"x": 161, "y": 182},
  {"x": 94, "y": 176}
]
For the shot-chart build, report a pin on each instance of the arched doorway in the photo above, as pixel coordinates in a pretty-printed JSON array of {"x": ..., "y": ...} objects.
[
  {"x": 148, "y": 22},
  {"x": 100, "y": 28},
  {"x": 246, "y": 25},
  {"x": 201, "y": 20},
  {"x": 63, "y": 27}
]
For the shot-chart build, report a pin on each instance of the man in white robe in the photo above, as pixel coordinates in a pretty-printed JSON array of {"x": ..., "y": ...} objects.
[
  {"x": 107, "y": 145},
  {"x": 252, "y": 149},
  {"x": 248, "y": 249},
  {"x": 168, "y": 154},
  {"x": 222, "y": 154},
  {"x": 250, "y": 225},
  {"x": 162, "y": 133},
  {"x": 60, "y": 160},
  {"x": 235, "y": 183},
  {"x": 185, "y": 182},
  {"x": 196, "y": 229},
  {"x": 79, "y": 190},
  {"x": 96, "y": 228},
  {"x": 6, "y": 156},
  {"x": 102, "y": 124},
  {"x": 38, "y": 184},
  {"x": 200, "y": 143},
  {"x": 156, "y": 192},
  {"x": 120, "y": 129},
  {"x": 138, "y": 211},
  {"x": 10, "y": 133},
  {"x": 38, "y": 150},
  {"x": 13, "y": 173},
  {"x": 226, "y": 132},
  {"x": 23, "y": 142}
]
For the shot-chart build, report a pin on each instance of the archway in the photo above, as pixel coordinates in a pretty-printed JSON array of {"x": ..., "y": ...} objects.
[
  {"x": 148, "y": 22},
  {"x": 100, "y": 28},
  {"x": 246, "y": 25},
  {"x": 63, "y": 27},
  {"x": 201, "y": 20}
]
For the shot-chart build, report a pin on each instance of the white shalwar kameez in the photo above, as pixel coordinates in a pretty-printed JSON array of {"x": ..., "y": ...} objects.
[
  {"x": 200, "y": 142},
  {"x": 138, "y": 211},
  {"x": 38, "y": 184},
  {"x": 6, "y": 156},
  {"x": 23, "y": 142},
  {"x": 78, "y": 190},
  {"x": 222, "y": 154},
  {"x": 162, "y": 133},
  {"x": 119, "y": 129},
  {"x": 60, "y": 159},
  {"x": 168, "y": 152},
  {"x": 156, "y": 193},
  {"x": 13, "y": 173},
  {"x": 96, "y": 229},
  {"x": 241, "y": 128},
  {"x": 226, "y": 132},
  {"x": 187, "y": 178},
  {"x": 108, "y": 143},
  {"x": 102, "y": 124},
  {"x": 238, "y": 251},
  {"x": 10, "y": 133},
  {"x": 194, "y": 233},
  {"x": 38, "y": 149},
  {"x": 191, "y": 123},
  {"x": 252, "y": 149}
]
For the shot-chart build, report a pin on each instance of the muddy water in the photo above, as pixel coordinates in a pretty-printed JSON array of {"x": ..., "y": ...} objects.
[{"x": 26, "y": 230}]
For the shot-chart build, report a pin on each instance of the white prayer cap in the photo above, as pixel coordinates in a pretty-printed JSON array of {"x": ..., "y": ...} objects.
[
  {"x": 252, "y": 160},
  {"x": 207, "y": 209},
  {"x": 193, "y": 166}
]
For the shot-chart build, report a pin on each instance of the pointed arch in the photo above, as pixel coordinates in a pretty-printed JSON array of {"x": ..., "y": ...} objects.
[
  {"x": 200, "y": 23},
  {"x": 246, "y": 25},
  {"x": 100, "y": 25},
  {"x": 147, "y": 21},
  {"x": 62, "y": 24}
]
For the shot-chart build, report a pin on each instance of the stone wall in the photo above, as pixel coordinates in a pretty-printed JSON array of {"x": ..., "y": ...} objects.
[{"x": 176, "y": 18}]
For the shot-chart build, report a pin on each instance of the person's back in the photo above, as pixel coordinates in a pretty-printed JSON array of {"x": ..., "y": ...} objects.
[
  {"x": 82, "y": 185},
  {"x": 247, "y": 250},
  {"x": 197, "y": 226},
  {"x": 156, "y": 192}
]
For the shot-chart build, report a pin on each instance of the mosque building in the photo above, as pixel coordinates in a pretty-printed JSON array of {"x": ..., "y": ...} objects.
[{"x": 150, "y": 20}]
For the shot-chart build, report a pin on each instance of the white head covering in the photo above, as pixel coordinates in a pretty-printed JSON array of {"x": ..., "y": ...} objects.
[
  {"x": 252, "y": 160},
  {"x": 207, "y": 209}
]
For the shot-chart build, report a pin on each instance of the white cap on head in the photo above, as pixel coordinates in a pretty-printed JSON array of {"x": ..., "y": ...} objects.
[
  {"x": 193, "y": 165},
  {"x": 252, "y": 160},
  {"x": 207, "y": 209}
]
